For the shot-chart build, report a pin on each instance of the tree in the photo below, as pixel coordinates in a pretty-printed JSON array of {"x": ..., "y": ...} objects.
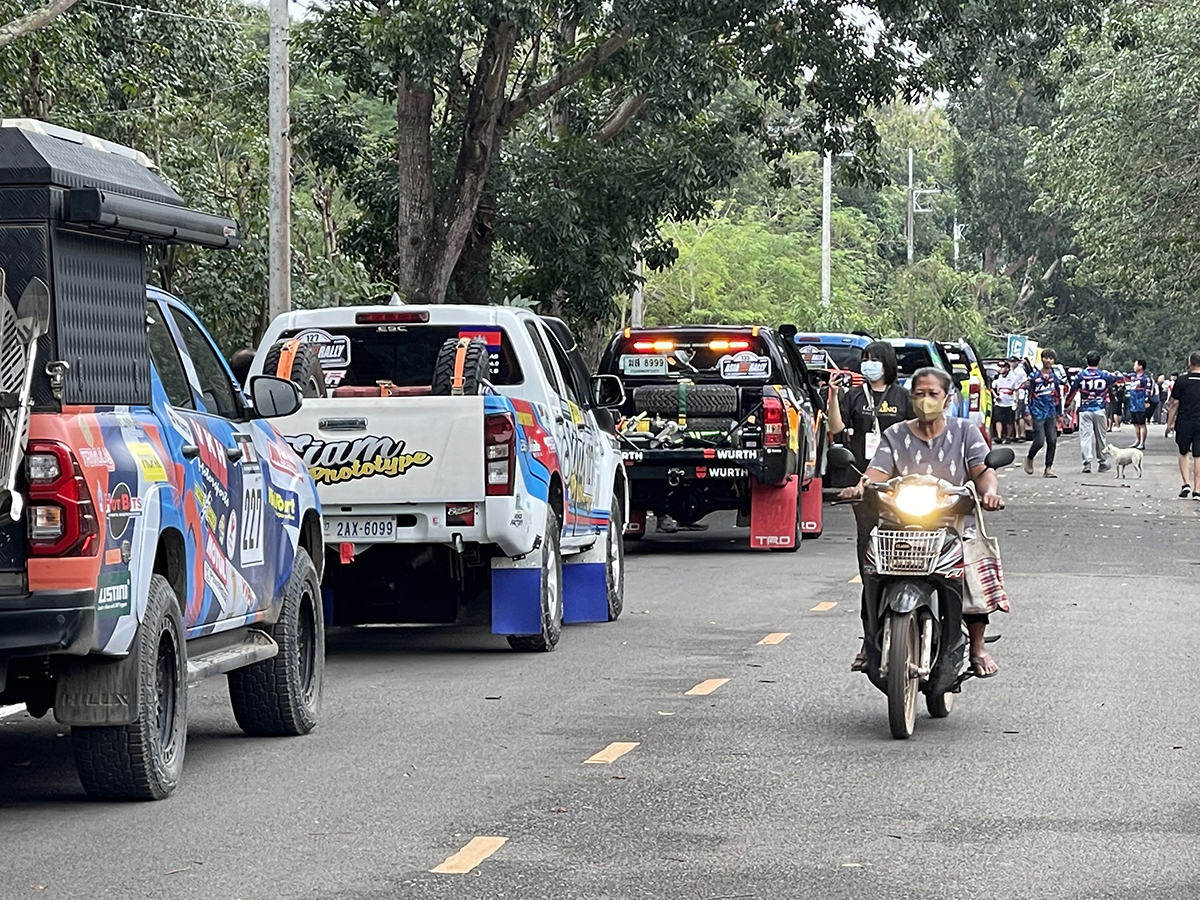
[{"x": 470, "y": 80}]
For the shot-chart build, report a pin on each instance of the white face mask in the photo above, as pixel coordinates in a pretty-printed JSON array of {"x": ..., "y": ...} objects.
[{"x": 872, "y": 370}]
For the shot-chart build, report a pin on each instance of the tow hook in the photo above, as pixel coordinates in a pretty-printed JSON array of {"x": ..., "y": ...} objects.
[
  {"x": 674, "y": 477},
  {"x": 458, "y": 543}
]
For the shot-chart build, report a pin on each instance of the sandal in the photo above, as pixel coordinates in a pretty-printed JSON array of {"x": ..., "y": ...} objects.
[
  {"x": 860, "y": 662},
  {"x": 979, "y": 666}
]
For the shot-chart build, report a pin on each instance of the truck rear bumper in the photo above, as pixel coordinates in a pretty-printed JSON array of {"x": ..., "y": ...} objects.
[
  {"x": 47, "y": 622},
  {"x": 510, "y": 522}
]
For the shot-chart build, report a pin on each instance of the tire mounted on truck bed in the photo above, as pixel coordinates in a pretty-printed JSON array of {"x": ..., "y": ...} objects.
[
  {"x": 708, "y": 400},
  {"x": 143, "y": 761},
  {"x": 305, "y": 370},
  {"x": 474, "y": 368}
]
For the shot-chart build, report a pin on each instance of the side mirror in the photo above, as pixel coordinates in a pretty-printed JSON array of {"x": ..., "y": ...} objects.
[
  {"x": 999, "y": 458},
  {"x": 275, "y": 397},
  {"x": 840, "y": 457},
  {"x": 608, "y": 391}
]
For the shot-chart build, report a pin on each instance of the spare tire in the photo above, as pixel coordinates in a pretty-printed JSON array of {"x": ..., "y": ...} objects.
[
  {"x": 699, "y": 400},
  {"x": 474, "y": 367},
  {"x": 304, "y": 370}
]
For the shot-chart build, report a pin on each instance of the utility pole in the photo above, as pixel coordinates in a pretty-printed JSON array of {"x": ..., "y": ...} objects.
[
  {"x": 826, "y": 230},
  {"x": 957, "y": 234},
  {"x": 279, "y": 202},
  {"x": 909, "y": 227},
  {"x": 637, "y": 309}
]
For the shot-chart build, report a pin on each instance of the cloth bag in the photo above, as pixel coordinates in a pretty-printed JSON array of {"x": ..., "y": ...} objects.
[{"x": 983, "y": 576}]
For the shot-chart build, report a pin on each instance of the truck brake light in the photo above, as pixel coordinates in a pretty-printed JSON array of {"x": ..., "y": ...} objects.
[
  {"x": 62, "y": 514},
  {"x": 409, "y": 317},
  {"x": 499, "y": 453},
  {"x": 773, "y": 435}
]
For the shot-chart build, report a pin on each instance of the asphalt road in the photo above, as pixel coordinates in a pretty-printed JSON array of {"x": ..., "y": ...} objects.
[{"x": 1069, "y": 775}]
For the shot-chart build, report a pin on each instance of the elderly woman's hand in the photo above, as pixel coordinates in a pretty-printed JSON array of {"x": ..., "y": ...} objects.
[
  {"x": 854, "y": 492},
  {"x": 992, "y": 501}
]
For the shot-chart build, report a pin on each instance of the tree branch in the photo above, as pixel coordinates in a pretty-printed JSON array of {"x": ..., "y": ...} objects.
[
  {"x": 40, "y": 18},
  {"x": 566, "y": 77},
  {"x": 621, "y": 117}
]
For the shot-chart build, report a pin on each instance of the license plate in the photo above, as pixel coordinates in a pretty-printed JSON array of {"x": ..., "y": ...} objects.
[
  {"x": 643, "y": 364},
  {"x": 361, "y": 528}
]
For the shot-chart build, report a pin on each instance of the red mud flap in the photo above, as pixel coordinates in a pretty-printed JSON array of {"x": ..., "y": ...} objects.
[
  {"x": 637, "y": 522},
  {"x": 812, "y": 511},
  {"x": 773, "y": 514}
]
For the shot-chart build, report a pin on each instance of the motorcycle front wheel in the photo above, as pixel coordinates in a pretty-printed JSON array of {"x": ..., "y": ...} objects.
[{"x": 903, "y": 683}]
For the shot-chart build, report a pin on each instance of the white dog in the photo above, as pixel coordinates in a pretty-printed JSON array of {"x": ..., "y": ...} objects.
[{"x": 1123, "y": 457}]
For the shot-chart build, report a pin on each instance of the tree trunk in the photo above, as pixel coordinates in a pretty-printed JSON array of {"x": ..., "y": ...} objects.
[
  {"x": 30, "y": 23},
  {"x": 418, "y": 238},
  {"x": 472, "y": 275}
]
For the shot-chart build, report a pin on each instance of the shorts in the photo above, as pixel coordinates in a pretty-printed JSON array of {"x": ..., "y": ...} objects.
[
  {"x": 1005, "y": 415},
  {"x": 1138, "y": 418},
  {"x": 1187, "y": 438}
]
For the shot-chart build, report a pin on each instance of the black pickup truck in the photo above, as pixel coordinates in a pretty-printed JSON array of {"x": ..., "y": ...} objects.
[{"x": 720, "y": 418}]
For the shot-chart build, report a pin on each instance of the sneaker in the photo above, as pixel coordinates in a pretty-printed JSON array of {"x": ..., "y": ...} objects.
[
  {"x": 1104, "y": 467},
  {"x": 666, "y": 525},
  {"x": 1087, "y": 468},
  {"x": 1049, "y": 473},
  {"x": 1185, "y": 491}
]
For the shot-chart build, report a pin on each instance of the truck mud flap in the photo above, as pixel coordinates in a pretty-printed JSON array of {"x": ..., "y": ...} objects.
[
  {"x": 773, "y": 514},
  {"x": 517, "y": 595},
  {"x": 585, "y": 585},
  {"x": 812, "y": 510}
]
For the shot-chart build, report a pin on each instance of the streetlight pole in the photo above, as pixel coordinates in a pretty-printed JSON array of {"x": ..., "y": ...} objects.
[
  {"x": 826, "y": 230},
  {"x": 279, "y": 194},
  {"x": 909, "y": 227}
]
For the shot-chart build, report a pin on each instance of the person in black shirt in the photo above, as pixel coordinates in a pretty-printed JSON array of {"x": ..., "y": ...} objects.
[
  {"x": 866, "y": 412},
  {"x": 1183, "y": 415}
]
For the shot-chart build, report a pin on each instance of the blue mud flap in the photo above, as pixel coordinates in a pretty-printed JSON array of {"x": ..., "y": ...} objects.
[
  {"x": 516, "y": 596},
  {"x": 585, "y": 585},
  {"x": 327, "y": 606}
]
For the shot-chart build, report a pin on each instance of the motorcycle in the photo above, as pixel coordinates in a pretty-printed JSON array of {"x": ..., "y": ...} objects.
[{"x": 916, "y": 640}]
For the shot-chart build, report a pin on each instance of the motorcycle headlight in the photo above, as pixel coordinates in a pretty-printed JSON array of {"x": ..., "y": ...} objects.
[{"x": 917, "y": 500}]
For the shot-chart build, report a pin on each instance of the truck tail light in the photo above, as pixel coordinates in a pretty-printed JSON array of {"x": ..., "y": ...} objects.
[
  {"x": 975, "y": 392},
  {"x": 773, "y": 428},
  {"x": 61, "y": 513},
  {"x": 499, "y": 453}
]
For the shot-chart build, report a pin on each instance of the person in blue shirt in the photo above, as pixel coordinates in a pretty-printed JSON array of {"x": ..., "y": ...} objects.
[
  {"x": 1092, "y": 385},
  {"x": 1043, "y": 411},
  {"x": 1141, "y": 390}
]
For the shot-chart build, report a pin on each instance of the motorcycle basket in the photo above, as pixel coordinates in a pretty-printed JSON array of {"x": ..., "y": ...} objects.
[{"x": 907, "y": 552}]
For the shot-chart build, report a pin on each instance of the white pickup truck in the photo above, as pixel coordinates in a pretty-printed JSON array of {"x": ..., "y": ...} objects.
[{"x": 458, "y": 451}]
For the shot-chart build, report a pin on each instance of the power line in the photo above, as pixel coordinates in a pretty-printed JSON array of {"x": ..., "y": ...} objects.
[{"x": 171, "y": 15}]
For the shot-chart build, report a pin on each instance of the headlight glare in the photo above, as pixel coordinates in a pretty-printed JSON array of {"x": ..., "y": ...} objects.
[{"x": 917, "y": 500}]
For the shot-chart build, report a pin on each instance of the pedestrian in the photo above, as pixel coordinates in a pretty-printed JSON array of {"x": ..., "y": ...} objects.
[
  {"x": 1141, "y": 388},
  {"x": 1021, "y": 369},
  {"x": 1092, "y": 386},
  {"x": 1045, "y": 411},
  {"x": 1116, "y": 403},
  {"x": 240, "y": 364},
  {"x": 866, "y": 412},
  {"x": 1155, "y": 401},
  {"x": 1005, "y": 413},
  {"x": 1183, "y": 415}
]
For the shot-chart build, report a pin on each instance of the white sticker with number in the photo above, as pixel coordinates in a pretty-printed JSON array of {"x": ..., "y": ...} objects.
[
  {"x": 252, "y": 520},
  {"x": 644, "y": 364}
]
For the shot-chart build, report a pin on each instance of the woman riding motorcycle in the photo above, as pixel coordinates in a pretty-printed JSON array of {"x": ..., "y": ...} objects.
[{"x": 950, "y": 449}]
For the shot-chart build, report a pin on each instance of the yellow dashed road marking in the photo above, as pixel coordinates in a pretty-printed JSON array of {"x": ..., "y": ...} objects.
[
  {"x": 823, "y": 607},
  {"x": 706, "y": 687},
  {"x": 611, "y": 753},
  {"x": 775, "y": 637},
  {"x": 477, "y": 850}
]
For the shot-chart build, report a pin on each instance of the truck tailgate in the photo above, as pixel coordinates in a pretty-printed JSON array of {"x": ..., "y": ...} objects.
[{"x": 386, "y": 450}]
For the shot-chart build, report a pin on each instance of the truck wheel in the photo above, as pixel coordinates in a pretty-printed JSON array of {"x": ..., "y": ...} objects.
[
  {"x": 474, "y": 367},
  {"x": 305, "y": 370},
  {"x": 282, "y": 695},
  {"x": 143, "y": 761},
  {"x": 614, "y": 563},
  {"x": 552, "y": 601}
]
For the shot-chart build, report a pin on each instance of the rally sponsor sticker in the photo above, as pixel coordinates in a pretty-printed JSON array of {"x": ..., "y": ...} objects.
[
  {"x": 333, "y": 350},
  {"x": 113, "y": 594},
  {"x": 745, "y": 364},
  {"x": 148, "y": 461}
]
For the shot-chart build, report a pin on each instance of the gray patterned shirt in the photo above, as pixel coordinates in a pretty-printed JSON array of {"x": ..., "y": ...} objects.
[{"x": 951, "y": 455}]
